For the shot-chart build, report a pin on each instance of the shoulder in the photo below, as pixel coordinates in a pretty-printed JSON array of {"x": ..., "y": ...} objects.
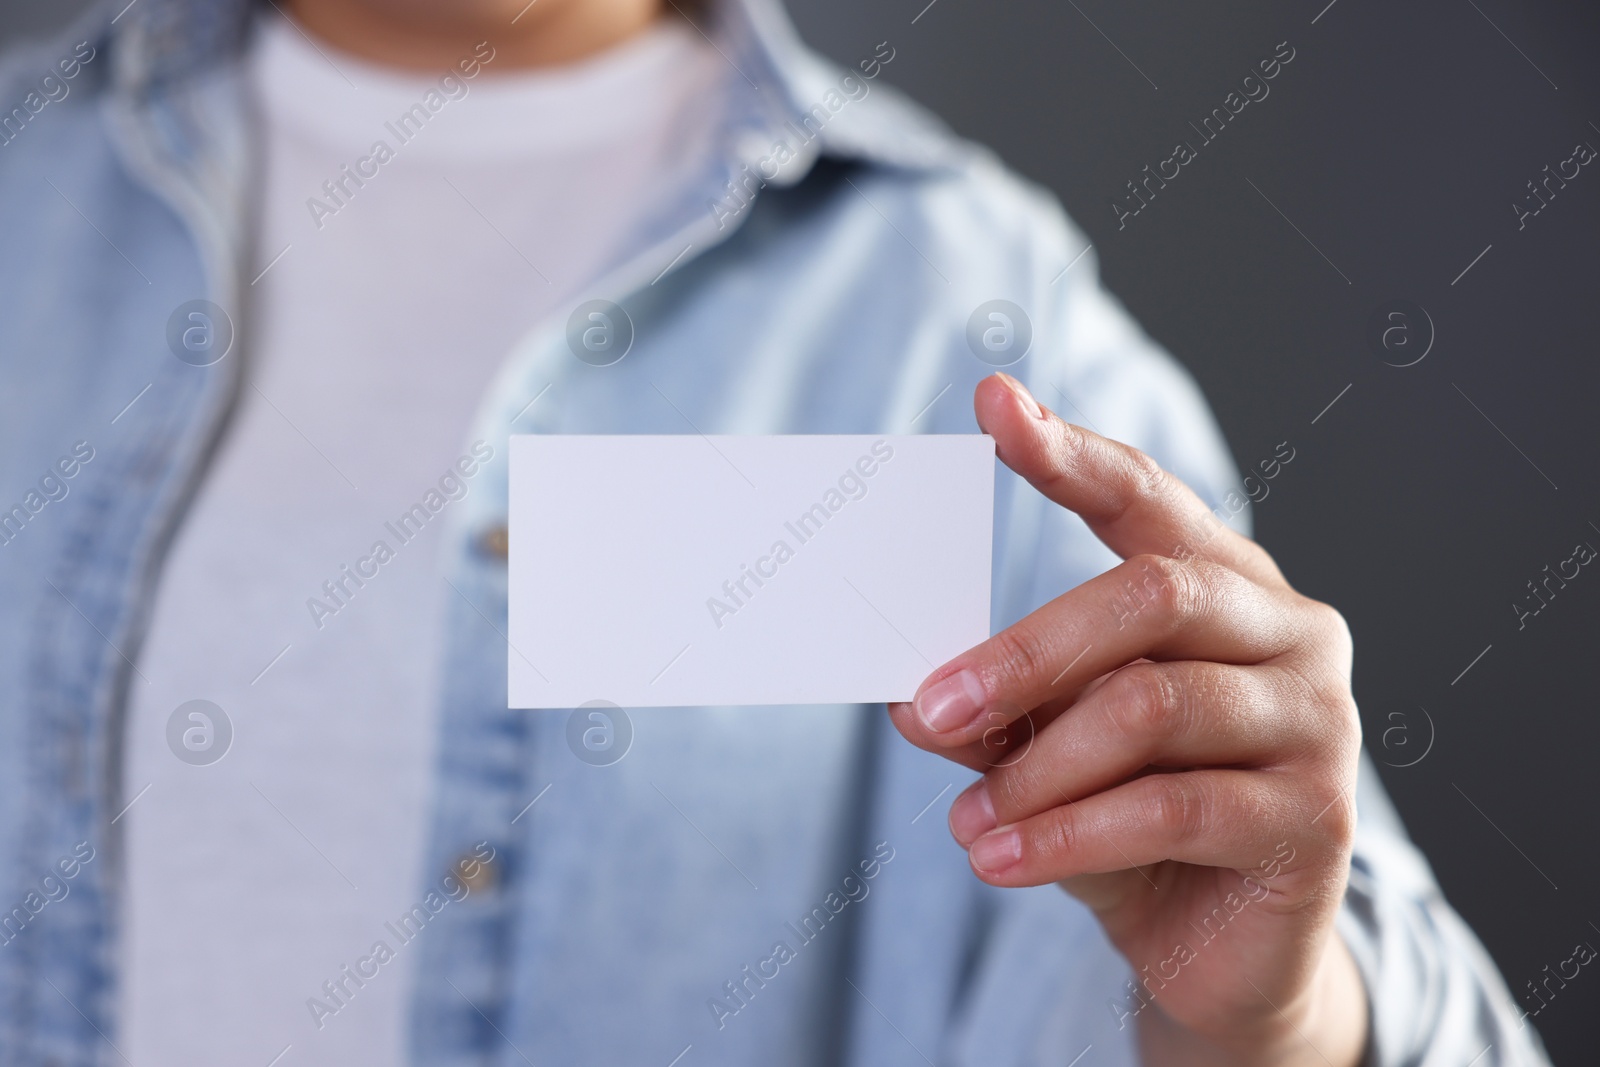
[
  {"x": 969, "y": 234},
  {"x": 959, "y": 192}
]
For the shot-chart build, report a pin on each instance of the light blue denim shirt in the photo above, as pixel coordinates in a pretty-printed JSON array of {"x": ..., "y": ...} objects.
[{"x": 634, "y": 914}]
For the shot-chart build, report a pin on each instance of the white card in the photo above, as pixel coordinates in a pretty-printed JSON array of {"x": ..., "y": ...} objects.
[{"x": 687, "y": 570}]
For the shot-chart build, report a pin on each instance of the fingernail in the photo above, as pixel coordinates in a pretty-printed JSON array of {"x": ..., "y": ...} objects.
[
  {"x": 972, "y": 815},
  {"x": 994, "y": 852},
  {"x": 1029, "y": 404},
  {"x": 951, "y": 703}
]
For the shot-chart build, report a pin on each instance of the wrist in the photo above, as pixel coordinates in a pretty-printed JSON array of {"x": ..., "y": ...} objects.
[{"x": 1327, "y": 1024}]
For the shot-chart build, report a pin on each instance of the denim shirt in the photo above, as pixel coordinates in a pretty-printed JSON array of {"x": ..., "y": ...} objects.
[{"x": 633, "y": 913}]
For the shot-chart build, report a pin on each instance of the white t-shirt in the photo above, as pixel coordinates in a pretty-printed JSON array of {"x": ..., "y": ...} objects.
[{"x": 386, "y": 301}]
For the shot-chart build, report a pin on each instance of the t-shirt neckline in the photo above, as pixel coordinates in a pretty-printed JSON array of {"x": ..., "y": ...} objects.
[{"x": 351, "y": 103}]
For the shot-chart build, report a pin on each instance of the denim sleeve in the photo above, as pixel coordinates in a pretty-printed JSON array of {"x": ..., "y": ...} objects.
[{"x": 1436, "y": 996}]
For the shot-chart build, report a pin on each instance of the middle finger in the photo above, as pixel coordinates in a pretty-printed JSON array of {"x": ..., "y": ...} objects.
[{"x": 1149, "y": 715}]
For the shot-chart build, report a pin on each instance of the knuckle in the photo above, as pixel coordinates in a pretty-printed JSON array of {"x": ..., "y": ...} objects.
[
  {"x": 1350, "y": 716},
  {"x": 1137, "y": 479},
  {"x": 1335, "y": 800},
  {"x": 1143, "y": 704},
  {"x": 1012, "y": 789},
  {"x": 1177, "y": 807},
  {"x": 1068, "y": 443},
  {"x": 1149, "y": 478},
  {"x": 1019, "y": 653},
  {"x": 1343, "y": 712},
  {"x": 1324, "y": 671},
  {"x": 1156, "y": 567},
  {"x": 1053, "y": 836},
  {"x": 1345, "y": 746},
  {"x": 1006, "y": 793},
  {"x": 1328, "y": 627},
  {"x": 1328, "y": 729},
  {"x": 1174, "y": 586},
  {"x": 1066, "y": 449}
]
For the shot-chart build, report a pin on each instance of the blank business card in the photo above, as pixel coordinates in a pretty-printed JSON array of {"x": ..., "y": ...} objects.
[{"x": 689, "y": 570}]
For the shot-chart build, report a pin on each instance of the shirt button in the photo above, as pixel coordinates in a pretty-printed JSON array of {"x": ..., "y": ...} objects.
[
  {"x": 493, "y": 542},
  {"x": 474, "y": 873}
]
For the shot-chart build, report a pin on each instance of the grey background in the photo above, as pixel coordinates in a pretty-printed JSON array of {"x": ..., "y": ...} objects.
[{"x": 1426, "y": 498}]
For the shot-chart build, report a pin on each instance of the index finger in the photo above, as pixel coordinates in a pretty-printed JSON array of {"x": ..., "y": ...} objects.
[
  {"x": 1148, "y": 607},
  {"x": 1124, "y": 496}
]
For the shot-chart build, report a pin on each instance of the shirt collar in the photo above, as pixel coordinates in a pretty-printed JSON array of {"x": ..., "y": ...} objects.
[{"x": 776, "y": 88}]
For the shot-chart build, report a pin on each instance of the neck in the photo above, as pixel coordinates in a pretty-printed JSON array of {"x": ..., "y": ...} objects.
[{"x": 428, "y": 35}]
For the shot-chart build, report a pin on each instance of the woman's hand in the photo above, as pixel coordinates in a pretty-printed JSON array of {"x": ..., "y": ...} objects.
[{"x": 1174, "y": 742}]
